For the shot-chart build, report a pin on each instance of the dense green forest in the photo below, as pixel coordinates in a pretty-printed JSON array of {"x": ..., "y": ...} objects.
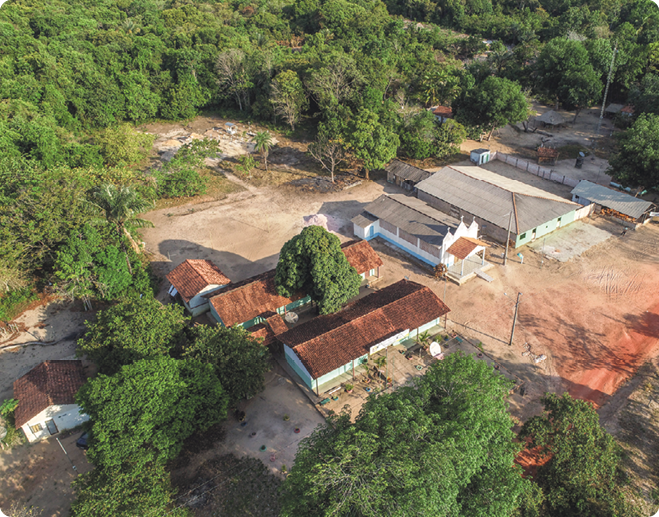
[{"x": 74, "y": 74}]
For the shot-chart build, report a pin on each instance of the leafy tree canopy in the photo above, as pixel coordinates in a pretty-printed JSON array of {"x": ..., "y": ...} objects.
[
  {"x": 145, "y": 411},
  {"x": 581, "y": 476},
  {"x": 637, "y": 162},
  {"x": 313, "y": 263},
  {"x": 443, "y": 447},
  {"x": 240, "y": 362},
  {"x": 133, "y": 329}
]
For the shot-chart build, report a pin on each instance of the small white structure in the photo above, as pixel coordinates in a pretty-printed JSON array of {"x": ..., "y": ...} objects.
[
  {"x": 46, "y": 399},
  {"x": 480, "y": 156},
  {"x": 194, "y": 278}
]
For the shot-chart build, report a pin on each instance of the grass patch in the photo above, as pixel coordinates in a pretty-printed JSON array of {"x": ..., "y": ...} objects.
[{"x": 15, "y": 302}]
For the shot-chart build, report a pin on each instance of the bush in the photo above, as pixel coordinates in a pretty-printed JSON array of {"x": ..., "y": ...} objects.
[
  {"x": 14, "y": 302},
  {"x": 181, "y": 183},
  {"x": 7, "y": 409}
]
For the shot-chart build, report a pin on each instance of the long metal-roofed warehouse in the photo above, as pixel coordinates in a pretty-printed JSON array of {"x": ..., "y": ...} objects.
[
  {"x": 632, "y": 207},
  {"x": 496, "y": 202}
]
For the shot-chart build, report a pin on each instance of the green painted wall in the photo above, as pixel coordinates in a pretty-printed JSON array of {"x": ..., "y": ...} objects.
[
  {"x": 544, "y": 229},
  {"x": 339, "y": 371}
]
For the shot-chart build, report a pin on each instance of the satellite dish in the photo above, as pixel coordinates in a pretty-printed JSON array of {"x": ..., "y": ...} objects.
[
  {"x": 435, "y": 349},
  {"x": 3, "y": 433},
  {"x": 291, "y": 317}
]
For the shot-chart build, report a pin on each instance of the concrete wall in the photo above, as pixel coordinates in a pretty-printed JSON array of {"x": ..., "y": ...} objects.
[
  {"x": 544, "y": 229},
  {"x": 65, "y": 416},
  {"x": 294, "y": 361},
  {"x": 198, "y": 304}
]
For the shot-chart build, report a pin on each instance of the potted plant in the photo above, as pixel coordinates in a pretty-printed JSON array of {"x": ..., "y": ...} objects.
[
  {"x": 349, "y": 388},
  {"x": 286, "y": 418}
]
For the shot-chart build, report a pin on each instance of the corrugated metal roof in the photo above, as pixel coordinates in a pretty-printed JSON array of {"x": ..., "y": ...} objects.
[
  {"x": 363, "y": 220},
  {"x": 623, "y": 203},
  {"x": 613, "y": 108},
  {"x": 413, "y": 216},
  {"x": 407, "y": 171},
  {"x": 490, "y": 196}
]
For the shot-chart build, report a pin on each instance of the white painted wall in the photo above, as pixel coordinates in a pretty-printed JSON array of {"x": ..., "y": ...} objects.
[
  {"x": 198, "y": 304},
  {"x": 292, "y": 357},
  {"x": 66, "y": 416}
]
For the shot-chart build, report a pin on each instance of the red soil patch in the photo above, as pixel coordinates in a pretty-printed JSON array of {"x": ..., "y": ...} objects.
[
  {"x": 633, "y": 344},
  {"x": 530, "y": 460}
]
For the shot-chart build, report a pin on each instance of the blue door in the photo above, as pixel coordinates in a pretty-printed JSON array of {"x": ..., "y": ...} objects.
[{"x": 371, "y": 231}]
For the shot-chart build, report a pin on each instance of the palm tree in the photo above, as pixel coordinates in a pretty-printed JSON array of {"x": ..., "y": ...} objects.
[
  {"x": 121, "y": 205},
  {"x": 263, "y": 143}
]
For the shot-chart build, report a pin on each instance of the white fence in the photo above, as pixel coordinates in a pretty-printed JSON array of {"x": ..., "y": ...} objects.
[{"x": 527, "y": 166}]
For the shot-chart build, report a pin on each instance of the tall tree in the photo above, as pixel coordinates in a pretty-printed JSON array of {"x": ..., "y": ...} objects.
[
  {"x": 328, "y": 149},
  {"x": 262, "y": 144},
  {"x": 565, "y": 74},
  {"x": 581, "y": 476},
  {"x": 144, "y": 412},
  {"x": 234, "y": 77},
  {"x": 121, "y": 206},
  {"x": 443, "y": 447},
  {"x": 313, "y": 263},
  {"x": 288, "y": 97},
  {"x": 240, "y": 361},
  {"x": 493, "y": 103},
  {"x": 370, "y": 140},
  {"x": 637, "y": 161},
  {"x": 133, "y": 329}
]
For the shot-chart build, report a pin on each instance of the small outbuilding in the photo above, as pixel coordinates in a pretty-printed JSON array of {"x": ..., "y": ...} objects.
[
  {"x": 442, "y": 113},
  {"x": 405, "y": 175},
  {"x": 480, "y": 156},
  {"x": 191, "y": 279},
  {"x": 363, "y": 258},
  {"x": 627, "y": 111},
  {"x": 46, "y": 399},
  {"x": 612, "y": 109},
  {"x": 614, "y": 203}
]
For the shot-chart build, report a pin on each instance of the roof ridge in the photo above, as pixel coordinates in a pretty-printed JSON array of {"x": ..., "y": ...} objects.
[
  {"x": 254, "y": 279},
  {"x": 347, "y": 322},
  {"x": 515, "y": 212}
]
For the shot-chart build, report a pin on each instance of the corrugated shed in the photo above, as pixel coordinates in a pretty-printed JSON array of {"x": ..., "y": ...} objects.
[
  {"x": 406, "y": 171},
  {"x": 623, "y": 203},
  {"x": 493, "y": 200},
  {"x": 329, "y": 342},
  {"x": 413, "y": 216}
]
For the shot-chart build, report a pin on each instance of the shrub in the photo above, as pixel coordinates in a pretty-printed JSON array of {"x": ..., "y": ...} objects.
[
  {"x": 181, "y": 183},
  {"x": 14, "y": 302}
]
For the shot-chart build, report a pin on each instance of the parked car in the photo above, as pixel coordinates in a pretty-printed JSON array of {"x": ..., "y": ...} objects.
[{"x": 81, "y": 442}]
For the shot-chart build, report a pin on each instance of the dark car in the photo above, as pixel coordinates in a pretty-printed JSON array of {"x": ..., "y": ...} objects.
[{"x": 81, "y": 442}]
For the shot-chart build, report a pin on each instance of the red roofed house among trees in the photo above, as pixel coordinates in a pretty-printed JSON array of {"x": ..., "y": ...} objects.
[
  {"x": 326, "y": 347},
  {"x": 363, "y": 258},
  {"x": 193, "y": 278},
  {"x": 46, "y": 399}
]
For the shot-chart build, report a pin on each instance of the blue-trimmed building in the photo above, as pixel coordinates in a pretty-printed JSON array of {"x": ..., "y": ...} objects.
[{"x": 323, "y": 349}]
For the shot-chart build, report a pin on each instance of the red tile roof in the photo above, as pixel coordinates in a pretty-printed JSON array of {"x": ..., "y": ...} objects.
[
  {"x": 329, "y": 342},
  {"x": 193, "y": 276},
  {"x": 50, "y": 383},
  {"x": 245, "y": 300},
  {"x": 464, "y": 246},
  {"x": 443, "y": 111},
  {"x": 361, "y": 256},
  {"x": 269, "y": 329},
  {"x": 628, "y": 109}
]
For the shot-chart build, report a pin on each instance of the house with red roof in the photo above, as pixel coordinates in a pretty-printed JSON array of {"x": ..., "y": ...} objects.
[
  {"x": 326, "y": 347},
  {"x": 46, "y": 399},
  {"x": 193, "y": 278}
]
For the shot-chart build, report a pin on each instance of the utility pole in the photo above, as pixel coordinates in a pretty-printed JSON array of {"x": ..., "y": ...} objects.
[
  {"x": 510, "y": 223},
  {"x": 606, "y": 90},
  {"x": 512, "y": 333}
]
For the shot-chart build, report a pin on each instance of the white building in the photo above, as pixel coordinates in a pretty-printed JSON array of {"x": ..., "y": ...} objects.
[
  {"x": 46, "y": 399},
  {"x": 194, "y": 278},
  {"x": 418, "y": 229}
]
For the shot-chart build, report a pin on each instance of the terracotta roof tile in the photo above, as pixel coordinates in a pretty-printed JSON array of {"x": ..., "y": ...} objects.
[
  {"x": 270, "y": 328},
  {"x": 193, "y": 276},
  {"x": 464, "y": 246},
  {"x": 52, "y": 382},
  {"x": 628, "y": 109},
  {"x": 245, "y": 300},
  {"x": 361, "y": 256},
  {"x": 443, "y": 111},
  {"x": 329, "y": 342}
]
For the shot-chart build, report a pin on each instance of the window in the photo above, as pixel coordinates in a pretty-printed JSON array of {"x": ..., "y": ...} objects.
[
  {"x": 36, "y": 428},
  {"x": 523, "y": 236},
  {"x": 371, "y": 272}
]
